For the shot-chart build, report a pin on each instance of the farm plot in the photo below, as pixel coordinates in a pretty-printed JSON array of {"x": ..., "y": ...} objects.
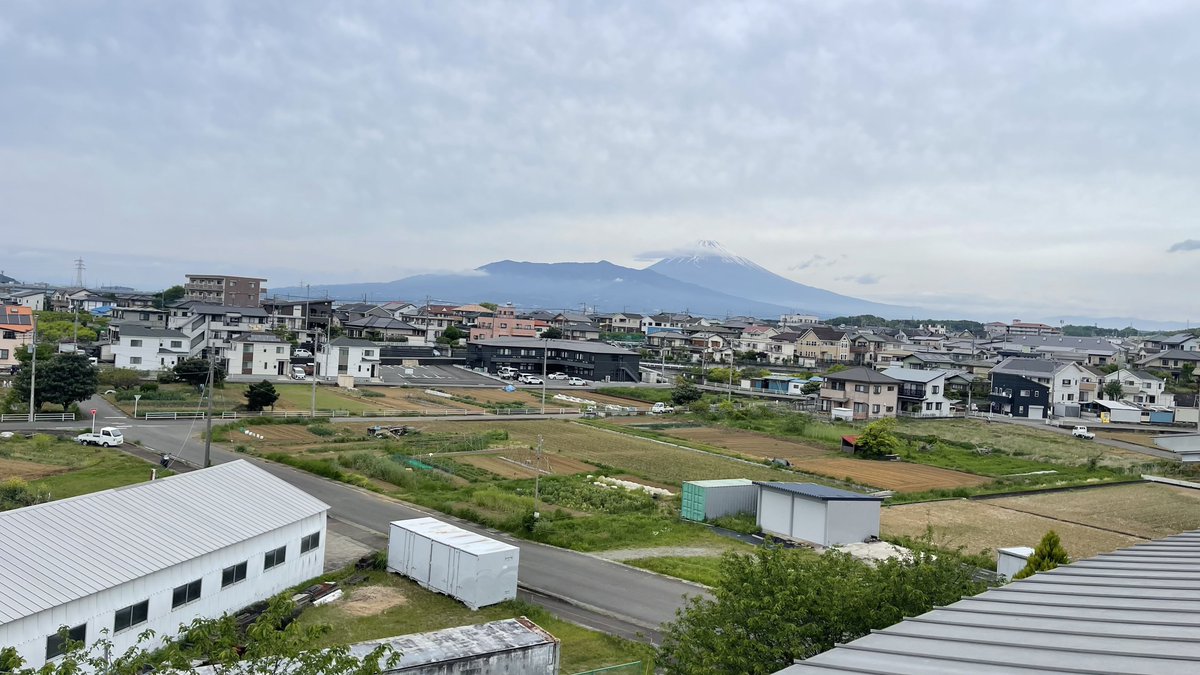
[
  {"x": 748, "y": 443},
  {"x": 898, "y": 476},
  {"x": 1149, "y": 510},
  {"x": 16, "y": 468},
  {"x": 490, "y": 395},
  {"x": 643, "y": 458},
  {"x": 979, "y": 526},
  {"x": 282, "y": 433},
  {"x": 507, "y": 466}
]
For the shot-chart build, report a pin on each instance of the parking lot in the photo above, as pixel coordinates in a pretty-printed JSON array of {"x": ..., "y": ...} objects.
[{"x": 448, "y": 376}]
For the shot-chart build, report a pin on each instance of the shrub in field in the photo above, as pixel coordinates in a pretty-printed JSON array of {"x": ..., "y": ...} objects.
[
  {"x": 321, "y": 430},
  {"x": 368, "y": 393},
  {"x": 580, "y": 494},
  {"x": 322, "y": 467},
  {"x": 1048, "y": 555}
]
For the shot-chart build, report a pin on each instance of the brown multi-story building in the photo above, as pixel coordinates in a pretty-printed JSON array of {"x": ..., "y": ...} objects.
[
  {"x": 224, "y": 290},
  {"x": 865, "y": 392}
]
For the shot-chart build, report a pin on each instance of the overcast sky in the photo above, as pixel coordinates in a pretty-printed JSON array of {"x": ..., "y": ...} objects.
[{"x": 1036, "y": 157}]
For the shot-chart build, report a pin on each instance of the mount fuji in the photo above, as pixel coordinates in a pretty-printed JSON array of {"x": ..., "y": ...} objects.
[
  {"x": 709, "y": 282},
  {"x": 712, "y": 265}
]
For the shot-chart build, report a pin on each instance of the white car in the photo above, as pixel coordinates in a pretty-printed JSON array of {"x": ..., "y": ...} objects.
[
  {"x": 577, "y": 382},
  {"x": 109, "y": 437},
  {"x": 556, "y": 376},
  {"x": 532, "y": 379},
  {"x": 302, "y": 353}
]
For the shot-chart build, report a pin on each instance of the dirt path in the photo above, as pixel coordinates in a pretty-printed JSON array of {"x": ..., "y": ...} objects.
[{"x": 660, "y": 552}]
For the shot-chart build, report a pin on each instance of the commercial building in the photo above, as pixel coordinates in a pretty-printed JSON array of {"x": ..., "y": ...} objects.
[
  {"x": 153, "y": 556},
  {"x": 596, "y": 361},
  {"x": 1130, "y": 611},
  {"x": 818, "y": 514},
  {"x": 222, "y": 289}
]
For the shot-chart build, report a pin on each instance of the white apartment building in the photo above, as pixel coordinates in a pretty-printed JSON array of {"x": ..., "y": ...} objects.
[
  {"x": 138, "y": 347},
  {"x": 153, "y": 556},
  {"x": 348, "y": 356},
  {"x": 259, "y": 354}
]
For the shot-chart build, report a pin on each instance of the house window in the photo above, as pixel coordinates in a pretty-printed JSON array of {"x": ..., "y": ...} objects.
[
  {"x": 860, "y": 388},
  {"x": 938, "y": 406},
  {"x": 875, "y": 408},
  {"x": 279, "y": 350},
  {"x": 130, "y": 616},
  {"x": 1066, "y": 383},
  {"x": 368, "y": 352},
  {"x": 57, "y": 646},
  {"x": 1025, "y": 393},
  {"x": 3, "y": 353},
  {"x": 310, "y": 542},
  {"x": 935, "y": 389},
  {"x": 135, "y": 360},
  {"x": 186, "y": 593},
  {"x": 928, "y": 406},
  {"x": 233, "y": 574},
  {"x": 273, "y": 558},
  {"x": 878, "y": 389},
  {"x": 135, "y": 343},
  {"x": 890, "y": 408}
]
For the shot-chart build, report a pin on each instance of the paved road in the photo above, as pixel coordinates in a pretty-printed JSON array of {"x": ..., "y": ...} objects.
[
  {"x": 1121, "y": 445},
  {"x": 600, "y": 594}
]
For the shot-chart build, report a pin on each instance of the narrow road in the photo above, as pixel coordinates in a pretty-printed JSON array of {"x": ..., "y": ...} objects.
[{"x": 597, "y": 593}]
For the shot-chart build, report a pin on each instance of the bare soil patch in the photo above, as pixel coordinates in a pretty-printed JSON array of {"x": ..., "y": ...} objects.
[
  {"x": 281, "y": 433},
  {"x": 559, "y": 466},
  {"x": 1149, "y": 510},
  {"x": 16, "y": 468},
  {"x": 372, "y": 600},
  {"x": 898, "y": 476},
  {"x": 980, "y": 525}
]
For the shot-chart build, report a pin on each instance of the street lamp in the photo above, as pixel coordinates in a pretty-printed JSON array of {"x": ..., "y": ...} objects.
[
  {"x": 33, "y": 372},
  {"x": 136, "y": 398}
]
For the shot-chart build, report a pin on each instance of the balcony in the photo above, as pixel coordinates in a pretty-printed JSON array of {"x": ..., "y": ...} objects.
[
  {"x": 1003, "y": 393},
  {"x": 912, "y": 392}
]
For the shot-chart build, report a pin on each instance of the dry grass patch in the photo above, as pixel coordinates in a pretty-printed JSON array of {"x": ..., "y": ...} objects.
[
  {"x": 372, "y": 600},
  {"x": 15, "y": 468},
  {"x": 748, "y": 443},
  {"x": 983, "y": 525},
  {"x": 507, "y": 466},
  {"x": 1149, "y": 510},
  {"x": 1030, "y": 443}
]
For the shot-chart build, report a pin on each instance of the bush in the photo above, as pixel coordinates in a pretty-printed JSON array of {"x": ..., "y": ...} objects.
[
  {"x": 119, "y": 378},
  {"x": 148, "y": 386},
  {"x": 368, "y": 393},
  {"x": 323, "y": 430},
  {"x": 167, "y": 377}
]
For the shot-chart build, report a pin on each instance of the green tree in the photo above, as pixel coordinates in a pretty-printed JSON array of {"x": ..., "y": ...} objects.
[
  {"x": 284, "y": 333},
  {"x": 777, "y": 605},
  {"x": 684, "y": 393},
  {"x": 120, "y": 378},
  {"x": 836, "y": 368},
  {"x": 451, "y": 335},
  {"x": 57, "y": 331},
  {"x": 273, "y": 644},
  {"x": 552, "y": 333},
  {"x": 169, "y": 296},
  {"x": 66, "y": 379},
  {"x": 1048, "y": 554},
  {"x": 261, "y": 395},
  {"x": 811, "y": 387},
  {"x": 490, "y": 305},
  {"x": 1112, "y": 390},
  {"x": 878, "y": 438},
  {"x": 195, "y": 372},
  {"x": 1186, "y": 371}
]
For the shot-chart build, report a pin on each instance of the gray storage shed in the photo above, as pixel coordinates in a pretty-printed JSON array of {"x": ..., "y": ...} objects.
[
  {"x": 816, "y": 513},
  {"x": 707, "y": 499}
]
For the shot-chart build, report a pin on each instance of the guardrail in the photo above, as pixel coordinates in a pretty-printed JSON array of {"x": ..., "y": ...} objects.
[
  {"x": 39, "y": 417},
  {"x": 174, "y": 416}
]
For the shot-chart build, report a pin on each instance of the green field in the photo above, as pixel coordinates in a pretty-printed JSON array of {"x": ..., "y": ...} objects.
[
  {"x": 59, "y": 468},
  {"x": 387, "y": 605}
]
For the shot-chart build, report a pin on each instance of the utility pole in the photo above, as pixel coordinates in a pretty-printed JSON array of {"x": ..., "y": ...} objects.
[
  {"x": 328, "y": 323},
  {"x": 537, "y": 476},
  {"x": 208, "y": 417},
  {"x": 33, "y": 372},
  {"x": 545, "y": 354}
]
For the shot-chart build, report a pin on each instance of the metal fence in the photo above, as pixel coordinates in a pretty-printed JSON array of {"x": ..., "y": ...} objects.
[
  {"x": 39, "y": 417},
  {"x": 441, "y": 412}
]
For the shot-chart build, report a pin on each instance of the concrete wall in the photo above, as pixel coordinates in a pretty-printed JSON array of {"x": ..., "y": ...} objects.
[{"x": 28, "y": 635}]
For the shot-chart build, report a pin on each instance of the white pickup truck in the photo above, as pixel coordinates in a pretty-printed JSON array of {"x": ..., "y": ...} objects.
[
  {"x": 661, "y": 409},
  {"x": 1082, "y": 432},
  {"x": 108, "y": 436}
]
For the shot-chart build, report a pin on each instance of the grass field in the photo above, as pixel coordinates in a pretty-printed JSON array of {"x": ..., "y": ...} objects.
[
  {"x": 1149, "y": 510},
  {"x": 387, "y": 605},
  {"x": 898, "y": 476},
  {"x": 700, "y": 569},
  {"x": 748, "y": 443},
  {"x": 1030, "y": 444},
  {"x": 67, "y": 468}
]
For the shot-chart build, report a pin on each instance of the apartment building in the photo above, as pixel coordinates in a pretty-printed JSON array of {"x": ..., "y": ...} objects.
[{"x": 224, "y": 290}]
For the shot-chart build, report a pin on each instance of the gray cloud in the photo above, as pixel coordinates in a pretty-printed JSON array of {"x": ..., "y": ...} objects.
[
  {"x": 862, "y": 279},
  {"x": 1185, "y": 245},
  {"x": 354, "y": 141}
]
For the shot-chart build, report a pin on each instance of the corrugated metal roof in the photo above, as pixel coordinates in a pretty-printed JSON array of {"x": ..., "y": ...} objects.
[
  {"x": 822, "y": 492},
  {"x": 450, "y": 535},
  {"x": 53, "y": 553},
  {"x": 720, "y": 482},
  {"x": 1136, "y": 610}
]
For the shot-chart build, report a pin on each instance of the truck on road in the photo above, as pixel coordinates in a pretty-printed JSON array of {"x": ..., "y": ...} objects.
[
  {"x": 109, "y": 437},
  {"x": 1083, "y": 433}
]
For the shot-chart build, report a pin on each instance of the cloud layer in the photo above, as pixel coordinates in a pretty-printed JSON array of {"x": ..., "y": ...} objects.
[{"x": 1015, "y": 151}]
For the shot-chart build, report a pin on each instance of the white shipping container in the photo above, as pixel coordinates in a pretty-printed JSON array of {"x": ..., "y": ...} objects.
[{"x": 470, "y": 567}]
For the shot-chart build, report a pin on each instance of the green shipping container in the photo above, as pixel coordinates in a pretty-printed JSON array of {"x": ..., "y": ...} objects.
[{"x": 707, "y": 499}]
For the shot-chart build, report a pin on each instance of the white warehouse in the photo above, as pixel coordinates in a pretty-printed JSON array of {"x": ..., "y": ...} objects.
[
  {"x": 153, "y": 556},
  {"x": 818, "y": 514}
]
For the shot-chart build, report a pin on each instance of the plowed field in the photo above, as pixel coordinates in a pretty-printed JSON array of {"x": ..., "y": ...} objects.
[
  {"x": 559, "y": 466},
  {"x": 898, "y": 476},
  {"x": 748, "y": 443}
]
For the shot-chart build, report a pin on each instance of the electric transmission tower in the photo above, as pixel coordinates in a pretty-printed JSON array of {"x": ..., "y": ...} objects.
[{"x": 79, "y": 268}]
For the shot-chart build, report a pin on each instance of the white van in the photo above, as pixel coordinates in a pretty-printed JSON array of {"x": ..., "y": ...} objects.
[{"x": 298, "y": 373}]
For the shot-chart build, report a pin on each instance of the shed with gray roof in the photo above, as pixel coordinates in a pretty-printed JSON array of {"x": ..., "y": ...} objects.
[{"x": 817, "y": 514}]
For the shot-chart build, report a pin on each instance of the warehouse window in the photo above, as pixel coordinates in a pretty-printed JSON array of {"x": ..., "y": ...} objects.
[
  {"x": 185, "y": 594},
  {"x": 233, "y": 574},
  {"x": 130, "y": 616},
  {"x": 310, "y": 542},
  {"x": 56, "y": 645},
  {"x": 273, "y": 558}
]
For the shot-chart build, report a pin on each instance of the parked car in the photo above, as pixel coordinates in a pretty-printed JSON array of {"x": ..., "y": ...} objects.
[
  {"x": 1083, "y": 433},
  {"x": 531, "y": 379},
  {"x": 556, "y": 376},
  {"x": 109, "y": 437},
  {"x": 577, "y": 382},
  {"x": 298, "y": 373},
  {"x": 302, "y": 353}
]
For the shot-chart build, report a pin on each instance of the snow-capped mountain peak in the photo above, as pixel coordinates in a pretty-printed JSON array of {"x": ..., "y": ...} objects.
[{"x": 708, "y": 251}]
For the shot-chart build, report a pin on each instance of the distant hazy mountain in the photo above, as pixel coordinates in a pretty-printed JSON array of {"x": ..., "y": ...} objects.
[
  {"x": 602, "y": 285},
  {"x": 714, "y": 266}
]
